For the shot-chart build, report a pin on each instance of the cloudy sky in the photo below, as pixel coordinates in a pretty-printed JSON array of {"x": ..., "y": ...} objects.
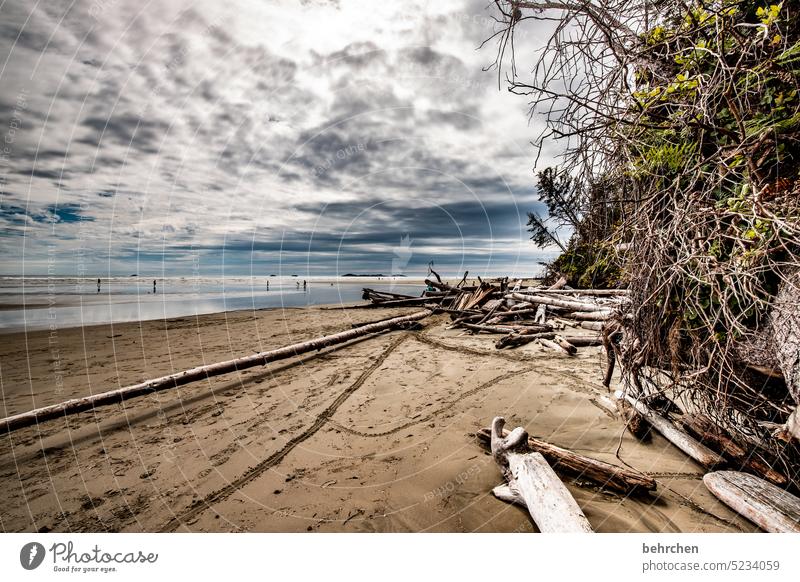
[{"x": 260, "y": 136}]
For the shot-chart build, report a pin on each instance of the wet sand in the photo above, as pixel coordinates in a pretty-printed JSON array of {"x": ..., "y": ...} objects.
[{"x": 374, "y": 435}]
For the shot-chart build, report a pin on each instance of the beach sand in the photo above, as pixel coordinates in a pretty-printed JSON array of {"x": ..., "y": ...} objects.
[{"x": 375, "y": 435}]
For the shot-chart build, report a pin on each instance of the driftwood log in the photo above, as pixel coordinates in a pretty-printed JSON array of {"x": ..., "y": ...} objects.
[
  {"x": 570, "y": 304},
  {"x": 573, "y": 465},
  {"x": 595, "y": 292},
  {"x": 702, "y": 428},
  {"x": 770, "y": 508},
  {"x": 77, "y": 405},
  {"x": 515, "y": 339},
  {"x": 534, "y": 482},
  {"x": 677, "y": 436},
  {"x": 600, "y": 315}
]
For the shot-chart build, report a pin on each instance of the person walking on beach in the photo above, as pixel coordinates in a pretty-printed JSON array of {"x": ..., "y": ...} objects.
[
  {"x": 267, "y": 285},
  {"x": 154, "y": 286},
  {"x": 304, "y": 284},
  {"x": 98, "y": 285}
]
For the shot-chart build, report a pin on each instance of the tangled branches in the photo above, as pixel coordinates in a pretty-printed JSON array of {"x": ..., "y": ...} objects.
[{"x": 688, "y": 114}]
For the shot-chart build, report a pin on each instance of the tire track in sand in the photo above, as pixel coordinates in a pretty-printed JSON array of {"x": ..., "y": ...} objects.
[{"x": 202, "y": 505}]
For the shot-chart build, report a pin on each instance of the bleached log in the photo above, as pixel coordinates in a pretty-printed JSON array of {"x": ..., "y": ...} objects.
[
  {"x": 678, "y": 437},
  {"x": 547, "y": 499},
  {"x": 792, "y": 426},
  {"x": 557, "y": 302},
  {"x": 541, "y": 314},
  {"x": 592, "y": 325},
  {"x": 770, "y": 508},
  {"x": 594, "y": 292},
  {"x": 605, "y": 403},
  {"x": 77, "y": 405}
]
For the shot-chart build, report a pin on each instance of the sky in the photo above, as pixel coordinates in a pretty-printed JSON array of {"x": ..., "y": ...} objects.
[{"x": 197, "y": 137}]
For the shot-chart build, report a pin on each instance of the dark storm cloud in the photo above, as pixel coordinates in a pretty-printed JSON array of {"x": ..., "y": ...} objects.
[
  {"x": 126, "y": 130},
  {"x": 39, "y": 173}
]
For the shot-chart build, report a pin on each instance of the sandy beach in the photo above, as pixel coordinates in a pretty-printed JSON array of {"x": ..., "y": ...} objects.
[{"x": 375, "y": 435}]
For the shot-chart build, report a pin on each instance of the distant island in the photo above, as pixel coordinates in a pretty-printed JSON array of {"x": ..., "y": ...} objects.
[{"x": 370, "y": 275}]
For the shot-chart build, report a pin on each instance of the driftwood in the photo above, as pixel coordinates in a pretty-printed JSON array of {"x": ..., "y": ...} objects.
[
  {"x": 557, "y": 302},
  {"x": 592, "y": 325},
  {"x": 77, "y": 405},
  {"x": 530, "y": 478},
  {"x": 373, "y": 294},
  {"x": 605, "y": 403},
  {"x": 634, "y": 422},
  {"x": 770, "y": 508},
  {"x": 703, "y": 428},
  {"x": 678, "y": 437},
  {"x": 565, "y": 345},
  {"x": 507, "y": 328},
  {"x": 514, "y": 340},
  {"x": 412, "y": 302},
  {"x": 555, "y": 346},
  {"x": 441, "y": 286},
  {"x": 577, "y": 466},
  {"x": 594, "y": 292},
  {"x": 582, "y": 341},
  {"x": 603, "y": 315}
]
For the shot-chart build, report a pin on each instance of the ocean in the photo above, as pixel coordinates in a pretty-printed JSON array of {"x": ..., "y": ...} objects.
[{"x": 32, "y": 303}]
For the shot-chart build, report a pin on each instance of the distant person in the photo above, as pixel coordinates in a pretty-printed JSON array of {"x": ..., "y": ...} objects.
[
  {"x": 298, "y": 284},
  {"x": 98, "y": 285},
  {"x": 267, "y": 285},
  {"x": 304, "y": 284},
  {"x": 154, "y": 286}
]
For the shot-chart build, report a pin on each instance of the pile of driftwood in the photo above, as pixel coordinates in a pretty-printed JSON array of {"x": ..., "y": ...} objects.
[
  {"x": 748, "y": 483},
  {"x": 530, "y": 466},
  {"x": 520, "y": 316}
]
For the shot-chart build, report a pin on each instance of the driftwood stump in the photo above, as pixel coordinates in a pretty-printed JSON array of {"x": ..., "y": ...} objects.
[{"x": 532, "y": 483}]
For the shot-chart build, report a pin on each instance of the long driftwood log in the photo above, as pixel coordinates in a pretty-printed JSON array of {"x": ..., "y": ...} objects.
[
  {"x": 77, "y": 405},
  {"x": 595, "y": 292},
  {"x": 678, "y": 437},
  {"x": 557, "y": 302},
  {"x": 577, "y": 466},
  {"x": 530, "y": 478}
]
